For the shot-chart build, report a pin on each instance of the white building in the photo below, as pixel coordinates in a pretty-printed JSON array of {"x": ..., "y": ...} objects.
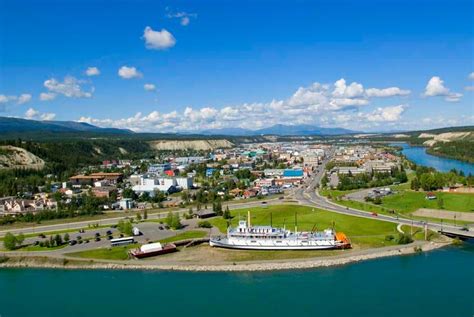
[
  {"x": 184, "y": 182},
  {"x": 151, "y": 184}
]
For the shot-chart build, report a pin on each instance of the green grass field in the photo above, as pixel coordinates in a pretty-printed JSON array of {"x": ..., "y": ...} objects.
[
  {"x": 409, "y": 201},
  {"x": 193, "y": 234},
  {"x": 112, "y": 253},
  {"x": 362, "y": 232}
]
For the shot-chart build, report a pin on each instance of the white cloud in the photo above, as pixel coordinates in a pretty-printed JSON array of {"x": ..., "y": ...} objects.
[
  {"x": 21, "y": 99},
  {"x": 387, "y": 114},
  {"x": 6, "y": 99},
  {"x": 129, "y": 72},
  {"x": 184, "y": 17},
  {"x": 149, "y": 87},
  {"x": 92, "y": 71},
  {"x": 435, "y": 87},
  {"x": 316, "y": 104},
  {"x": 185, "y": 21},
  {"x": 471, "y": 76},
  {"x": 47, "y": 96},
  {"x": 31, "y": 113},
  {"x": 343, "y": 91},
  {"x": 386, "y": 92},
  {"x": 24, "y": 98},
  {"x": 48, "y": 116},
  {"x": 70, "y": 87},
  {"x": 158, "y": 40},
  {"x": 34, "y": 114}
]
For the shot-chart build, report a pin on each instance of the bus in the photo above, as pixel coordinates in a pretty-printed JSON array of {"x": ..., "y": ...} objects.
[{"x": 122, "y": 241}]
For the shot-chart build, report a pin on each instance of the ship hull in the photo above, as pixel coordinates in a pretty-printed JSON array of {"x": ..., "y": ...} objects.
[
  {"x": 141, "y": 255},
  {"x": 263, "y": 246}
]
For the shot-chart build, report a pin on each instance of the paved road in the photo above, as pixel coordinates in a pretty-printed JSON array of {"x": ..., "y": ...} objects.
[
  {"x": 308, "y": 195},
  {"x": 112, "y": 221}
]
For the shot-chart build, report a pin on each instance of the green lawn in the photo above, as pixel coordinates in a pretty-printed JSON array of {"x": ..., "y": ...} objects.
[
  {"x": 409, "y": 201},
  {"x": 362, "y": 232},
  {"x": 111, "y": 253},
  {"x": 193, "y": 234}
]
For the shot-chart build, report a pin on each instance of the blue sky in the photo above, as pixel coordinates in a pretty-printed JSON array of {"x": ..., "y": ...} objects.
[{"x": 365, "y": 65}]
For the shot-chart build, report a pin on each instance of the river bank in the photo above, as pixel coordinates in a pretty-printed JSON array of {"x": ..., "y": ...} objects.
[{"x": 17, "y": 260}]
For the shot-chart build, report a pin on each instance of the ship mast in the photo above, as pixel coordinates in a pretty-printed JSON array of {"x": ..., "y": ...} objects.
[
  {"x": 248, "y": 219},
  {"x": 296, "y": 222}
]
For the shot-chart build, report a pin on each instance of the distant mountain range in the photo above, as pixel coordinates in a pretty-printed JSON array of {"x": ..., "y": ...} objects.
[
  {"x": 280, "y": 129},
  {"x": 15, "y": 125}
]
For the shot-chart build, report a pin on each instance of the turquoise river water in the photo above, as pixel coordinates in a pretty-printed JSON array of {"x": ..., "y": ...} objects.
[
  {"x": 438, "y": 283},
  {"x": 418, "y": 155}
]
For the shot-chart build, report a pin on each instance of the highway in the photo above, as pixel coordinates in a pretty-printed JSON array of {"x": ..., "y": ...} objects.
[{"x": 308, "y": 195}]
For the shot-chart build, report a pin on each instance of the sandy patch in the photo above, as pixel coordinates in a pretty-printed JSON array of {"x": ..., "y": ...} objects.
[{"x": 444, "y": 214}]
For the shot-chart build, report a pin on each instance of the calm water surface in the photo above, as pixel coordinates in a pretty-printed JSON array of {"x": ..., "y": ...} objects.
[
  {"x": 418, "y": 155},
  {"x": 439, "y": 283}
]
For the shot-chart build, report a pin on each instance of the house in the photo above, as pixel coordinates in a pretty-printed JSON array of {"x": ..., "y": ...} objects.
[
  {"x": 251, "y": 192},
  {"x": 210, "y": 172},
  {"x": 103, "y": 191},
  {"x": 293, "y": 173},
  {"x": 264, "y": 182},
  {"x": 126, "y": 204},
  {"x": 112, "y": 178},
  {"x": 236, "y": 192}
]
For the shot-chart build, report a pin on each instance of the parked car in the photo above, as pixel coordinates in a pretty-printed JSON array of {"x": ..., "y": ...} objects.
[
  {"x": 97, "y": 239},
  {"x": 41, "y": 235},
  {"x": 109, "y": 232},
  {"x": 97, "y": 234},
  {"x": 81, "y": 231},
  {"x": 72, "y": 242}
]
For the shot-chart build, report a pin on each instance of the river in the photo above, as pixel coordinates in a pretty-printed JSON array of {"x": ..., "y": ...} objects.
[
  {"x": 437, "y": 283},
  {"x": 418, "y": 155}
]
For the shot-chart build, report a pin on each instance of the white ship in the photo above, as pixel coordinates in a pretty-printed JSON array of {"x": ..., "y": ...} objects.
[{"x": 250, "y": 237}]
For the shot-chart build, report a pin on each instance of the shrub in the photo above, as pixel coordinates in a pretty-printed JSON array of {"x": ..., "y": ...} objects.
[
  {"x": 389, "y": 237},
  {"x": 204, "y": 224},
  {"x": 404, "y": 238}
]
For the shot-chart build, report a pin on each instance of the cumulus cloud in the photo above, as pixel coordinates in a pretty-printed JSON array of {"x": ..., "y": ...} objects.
[
  {"x": 47, "y": 96},
  {"x": 6, "y": 99},
  {"x": 387, "y": 114},
  {"x": 70, "y": 87},
  {"x": 92, "y": 71},
  {"x": 34, "y": 114},
  {"x": 158, "y": 40},
  {"x": 184, "y": 17},
  {"x": 319, "y": 104},
  {"x": 343, "y": 91},
  {"x": 471, "y": 76},
  {"x": 386, "y": 92},
  {"x": 24, "y": 98},
  {"x": 21, "y": 99},
  {"x": 149, "y": 87},
  {"x": 129, "y": 72},
  {"x": 436, "y": 87}
]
